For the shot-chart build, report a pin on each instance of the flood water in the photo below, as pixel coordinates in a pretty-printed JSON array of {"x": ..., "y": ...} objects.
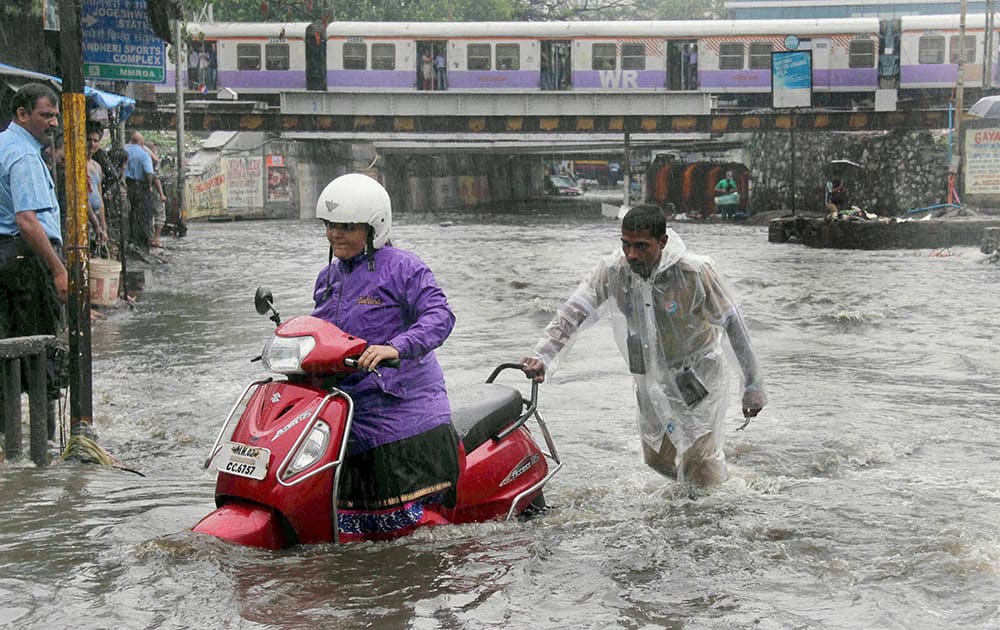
[{"x": 866, "y": 494}]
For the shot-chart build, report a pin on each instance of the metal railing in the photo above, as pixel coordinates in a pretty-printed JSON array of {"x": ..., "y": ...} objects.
[{"x": 30, "y": 352}]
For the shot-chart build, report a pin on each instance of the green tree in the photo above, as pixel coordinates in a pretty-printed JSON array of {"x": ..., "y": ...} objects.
[{"x": 358, "y": 10}]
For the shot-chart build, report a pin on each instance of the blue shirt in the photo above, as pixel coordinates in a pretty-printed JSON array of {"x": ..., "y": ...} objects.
[
  {"x": 139, "y": 162},
  {"x": 26, "y": 183}
]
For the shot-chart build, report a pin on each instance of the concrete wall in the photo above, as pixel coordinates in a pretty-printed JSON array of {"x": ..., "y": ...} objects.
[
  {"x": 900, "y": 170},
  {"x": 428, "y": 183}
]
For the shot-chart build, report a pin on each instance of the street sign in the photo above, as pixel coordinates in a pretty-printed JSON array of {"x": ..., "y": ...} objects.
[{"x": 119, "y": 44}]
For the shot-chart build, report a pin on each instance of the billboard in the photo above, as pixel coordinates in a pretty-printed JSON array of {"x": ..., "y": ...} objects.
[{"x": 791, "y": 79}]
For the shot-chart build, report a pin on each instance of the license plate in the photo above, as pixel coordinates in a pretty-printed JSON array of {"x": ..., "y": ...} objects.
[{"x": 243, "y": 461}]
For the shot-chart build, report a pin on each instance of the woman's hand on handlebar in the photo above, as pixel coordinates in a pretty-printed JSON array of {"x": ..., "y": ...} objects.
[
  {"x": 533, "y": 369},
  {"x": 373, "y": 355}
]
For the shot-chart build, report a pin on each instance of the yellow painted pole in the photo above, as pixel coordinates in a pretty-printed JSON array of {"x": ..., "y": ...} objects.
[{"x": 76, "y": 241}]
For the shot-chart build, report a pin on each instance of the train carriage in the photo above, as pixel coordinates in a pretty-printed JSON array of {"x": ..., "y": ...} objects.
[
  {"x": 255, "y": 58},
  {"x": 929, "y": 50},
  {"x": 843, "y": 51},
  {"x": 729, "y": 58}
]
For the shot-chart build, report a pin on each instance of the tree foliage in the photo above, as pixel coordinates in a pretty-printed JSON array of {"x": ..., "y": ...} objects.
[{"x": 453, "y": 10}]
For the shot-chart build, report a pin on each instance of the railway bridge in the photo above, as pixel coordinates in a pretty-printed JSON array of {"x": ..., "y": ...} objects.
[
  {"x": 441, "y": 149},
  {"x": 362, "y": 114}
]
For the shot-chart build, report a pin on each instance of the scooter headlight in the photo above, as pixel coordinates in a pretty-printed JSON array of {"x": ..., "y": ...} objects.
[
  {"x": 284, "y": 355},
  {"x": 311, "y": 449}
]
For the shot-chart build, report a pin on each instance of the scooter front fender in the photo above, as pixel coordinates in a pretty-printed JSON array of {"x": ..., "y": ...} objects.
[{"x": 246, "y": 523}]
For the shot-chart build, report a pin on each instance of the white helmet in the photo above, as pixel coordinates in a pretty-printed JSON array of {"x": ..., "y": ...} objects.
[{"x": 357, "y": 198}]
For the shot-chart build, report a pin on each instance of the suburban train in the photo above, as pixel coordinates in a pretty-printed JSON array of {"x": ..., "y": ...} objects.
[{"x": 851, "y": 57}]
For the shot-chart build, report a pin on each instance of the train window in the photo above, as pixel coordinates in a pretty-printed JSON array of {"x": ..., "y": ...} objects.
[
  {"x": 760, "y": 55},
  {"x": 508, "y": 56},
  {"x": 478, "y": 57},
  {"x": 634, "y": 56},
  {"x": 968, "y": 49},
  {"x": 603, "y": 57},
  {"x": 731, "y": 56},
  {"x": 383, "y": 56},
  {"x": 931, "y": 49},
  {"x": 248, "y": 56},
  {"x": 861, "y": 54},
  {"x": 355, "y": 56},
  {"x": 276, "y": 56}
]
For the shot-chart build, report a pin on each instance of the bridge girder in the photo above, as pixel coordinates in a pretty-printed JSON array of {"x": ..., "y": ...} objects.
[{"x": 716, "y": 123}]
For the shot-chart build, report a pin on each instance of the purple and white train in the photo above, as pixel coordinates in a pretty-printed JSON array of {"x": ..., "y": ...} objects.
[{"x": 852, "y": 58}]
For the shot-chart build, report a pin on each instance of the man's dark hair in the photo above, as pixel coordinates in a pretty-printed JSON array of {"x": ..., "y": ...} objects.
[
  {"x": 645, "y": 217},
  {"x": 27, "y": 97}
]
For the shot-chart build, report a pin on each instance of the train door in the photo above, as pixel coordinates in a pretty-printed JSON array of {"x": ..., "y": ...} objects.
[
  {"x": 820, "y": 47},
  {"x": 556, "y": 65},
  {"x": 432, "y": 65},
  {"x": 316, "y": 57},
  {"x": 682, "y": 65}
]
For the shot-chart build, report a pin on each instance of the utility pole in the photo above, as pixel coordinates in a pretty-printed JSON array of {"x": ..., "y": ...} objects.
[
  {"x": 179, "y": 58},
  {"x": 956, "y": 167},
  {"x": 74, "y": 112},
  {"x": 988, "y": 48},
  {"x": 627, "y": 168}
]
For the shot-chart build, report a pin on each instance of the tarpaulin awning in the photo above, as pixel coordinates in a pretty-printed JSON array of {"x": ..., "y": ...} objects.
[{"x": 16, "y": 77}]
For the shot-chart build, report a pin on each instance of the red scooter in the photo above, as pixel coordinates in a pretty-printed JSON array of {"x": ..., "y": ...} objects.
[{"x": 279, "y": 462}]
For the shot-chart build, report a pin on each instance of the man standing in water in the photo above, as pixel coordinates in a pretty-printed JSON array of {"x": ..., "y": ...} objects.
[
  {"x": 669, "y": 310},
  {"x": 33, "y": 278}
]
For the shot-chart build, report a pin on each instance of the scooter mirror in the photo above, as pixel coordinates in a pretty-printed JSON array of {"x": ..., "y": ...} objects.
[{"x": 262, "y": 300}]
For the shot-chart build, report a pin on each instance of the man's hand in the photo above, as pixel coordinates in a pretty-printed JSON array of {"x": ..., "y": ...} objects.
[
  {"x": 61, "y": 281},
  {"x": 753, "y": 402},
  {"x": 533, "y": 369}
]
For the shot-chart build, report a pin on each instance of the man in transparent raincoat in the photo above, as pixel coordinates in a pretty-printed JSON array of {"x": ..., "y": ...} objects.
[{"x": 669, "y": 310}]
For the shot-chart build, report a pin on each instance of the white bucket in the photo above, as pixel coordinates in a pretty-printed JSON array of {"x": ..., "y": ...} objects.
[{"x": 105, "y": 275}]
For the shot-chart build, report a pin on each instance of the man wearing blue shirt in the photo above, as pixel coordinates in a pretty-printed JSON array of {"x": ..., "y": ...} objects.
[
  {"x": 139, "y": 178},
  {"x": 31, "y": 266},
  {"x": 33, "y": 278}
]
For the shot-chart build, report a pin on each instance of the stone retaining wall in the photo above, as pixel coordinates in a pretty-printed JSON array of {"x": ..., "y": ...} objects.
[{"x": 900, "y": 170}]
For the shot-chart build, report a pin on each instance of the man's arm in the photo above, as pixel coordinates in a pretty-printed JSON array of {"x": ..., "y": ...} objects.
[
  {"x": 34, "y": 234},
  {"x": 754, "y": 396},
  {"x": 159, "y": 188},
  {"x": 580, "y": 311}
]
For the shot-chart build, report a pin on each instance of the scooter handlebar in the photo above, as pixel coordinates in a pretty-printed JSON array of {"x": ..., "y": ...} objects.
[
  {"x": 389, "y": 363},
  {"x": 530, "y": 405}
]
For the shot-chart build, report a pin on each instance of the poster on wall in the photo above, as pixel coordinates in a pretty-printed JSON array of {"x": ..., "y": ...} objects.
[
  {"x": 207, "y": 194},
  {"x": 791, "y": 79},
  {"x": 244, "y": 183},
  {"x": 982, "y": 161},
  {"x": 277, "y": 179}
]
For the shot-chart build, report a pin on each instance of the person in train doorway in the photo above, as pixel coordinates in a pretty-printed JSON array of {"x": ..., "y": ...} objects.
[
  {"x": 441, "y": 70},
  {"x": 836, "y": 193},
  {"x": 403, "y": 449},
  {"x": 669, "y": 310},
  {"x": 427, "y": 71},
  {"x": 692, "y": 67}
]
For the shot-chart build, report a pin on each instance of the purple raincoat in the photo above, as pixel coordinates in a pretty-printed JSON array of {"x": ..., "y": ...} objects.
[{"x": 398, "y": 304}]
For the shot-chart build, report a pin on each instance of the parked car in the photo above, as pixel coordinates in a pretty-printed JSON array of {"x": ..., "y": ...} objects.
[{"x": 561, "y": 185}]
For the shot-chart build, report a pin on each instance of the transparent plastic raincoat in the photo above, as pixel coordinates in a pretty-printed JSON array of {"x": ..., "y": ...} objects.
[{"x": 669, "y": 329}]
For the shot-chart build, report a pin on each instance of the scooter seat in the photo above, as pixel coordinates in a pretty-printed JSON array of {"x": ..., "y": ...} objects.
[{"x": 483, "y": 410}]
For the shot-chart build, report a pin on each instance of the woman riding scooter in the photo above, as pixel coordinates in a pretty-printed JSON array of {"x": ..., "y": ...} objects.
[{"x": 403, "y": 452}]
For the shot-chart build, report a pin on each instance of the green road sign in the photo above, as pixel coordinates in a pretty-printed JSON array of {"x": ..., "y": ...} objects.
[{"x": 119, "y": 44}]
